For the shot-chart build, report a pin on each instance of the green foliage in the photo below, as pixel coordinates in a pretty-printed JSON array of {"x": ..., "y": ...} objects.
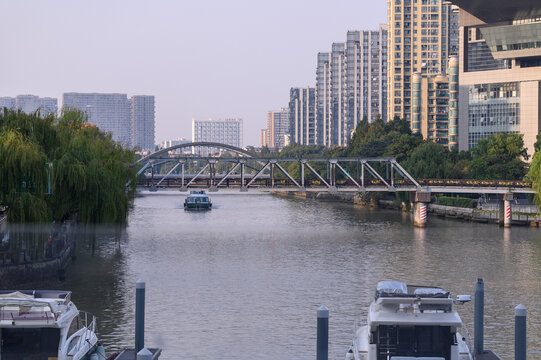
[
  {"x": 90, "y": 170},
  {"x": 537, "y": 144},
  {"x": 381, "y": 139},
  {"x": 457, "y": 201},
  {"x": 295, "y": 150},
  {"x": 499, "y": 157},
  {"x": 403, "y": 146},
  {"x": 534, "y": 175},
  {"x": 430, "y": 161}
]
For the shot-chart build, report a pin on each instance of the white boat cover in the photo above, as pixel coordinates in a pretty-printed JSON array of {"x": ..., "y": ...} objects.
[
  {"x": 391, "y": 287},
  {"x": 16, "y": 294}
]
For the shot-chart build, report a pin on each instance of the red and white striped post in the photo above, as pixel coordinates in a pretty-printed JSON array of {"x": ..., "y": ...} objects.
[
  {"x": 420, "y": 208},
  {"x": 507, "y": 200}
]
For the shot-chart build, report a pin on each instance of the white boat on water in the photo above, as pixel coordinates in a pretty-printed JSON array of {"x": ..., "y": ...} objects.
[
  {"x": 407, "y": 322},
  {"x": 45, "y": 324}
]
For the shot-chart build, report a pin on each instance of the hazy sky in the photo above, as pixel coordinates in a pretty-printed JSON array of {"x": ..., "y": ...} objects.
[{"x": 213, "y": 58}]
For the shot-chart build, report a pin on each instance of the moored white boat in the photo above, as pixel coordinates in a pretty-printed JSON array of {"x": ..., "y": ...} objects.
[
  {"x": 45, "y": 324},
  {"x": 407, "y": 322}
]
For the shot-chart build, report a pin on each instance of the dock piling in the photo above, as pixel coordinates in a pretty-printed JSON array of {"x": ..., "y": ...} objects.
[
  {"x": 479, "y": 316},
  {"x": 139, "y": 316},
  {"x": 322, "y": 334},
  {"x": 520, "y": 332}
]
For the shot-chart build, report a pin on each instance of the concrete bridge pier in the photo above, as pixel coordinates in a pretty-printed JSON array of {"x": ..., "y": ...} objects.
[
  {"x": 243, "y": 187},
  {"x": 420, "y": 208},
  {"x": 506, "y": 209}
]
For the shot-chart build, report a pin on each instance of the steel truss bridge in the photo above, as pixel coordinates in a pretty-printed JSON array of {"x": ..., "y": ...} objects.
[{"x": 247, "y": 171}]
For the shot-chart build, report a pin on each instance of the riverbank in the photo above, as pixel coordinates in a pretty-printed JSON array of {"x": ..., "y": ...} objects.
[
  {"x": 57, "y": 251},
  {"x": 451, "y": 212}
]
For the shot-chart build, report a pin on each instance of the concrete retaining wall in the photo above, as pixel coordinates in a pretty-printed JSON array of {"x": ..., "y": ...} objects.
[
  {"x": 467, "y": 214},
  {"x": 16, "y": 276}
]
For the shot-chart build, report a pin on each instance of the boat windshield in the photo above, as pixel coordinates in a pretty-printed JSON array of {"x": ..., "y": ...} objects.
[
  {"x": 29, "y": 343},
  {"x": 197, "y": 199},
  {"x": 395, "y": 342}
]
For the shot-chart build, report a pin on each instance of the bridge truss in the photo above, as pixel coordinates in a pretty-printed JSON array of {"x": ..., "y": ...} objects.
[
  {"x": 247, "y": 171},
  {"x": 314, "y": 174}
]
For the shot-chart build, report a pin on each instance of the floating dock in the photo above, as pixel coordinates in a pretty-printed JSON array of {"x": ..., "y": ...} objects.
[{"x": 129, "y": 354}]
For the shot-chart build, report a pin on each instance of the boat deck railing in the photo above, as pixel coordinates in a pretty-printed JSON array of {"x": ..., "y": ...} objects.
[{"x": 86, "y": 320}]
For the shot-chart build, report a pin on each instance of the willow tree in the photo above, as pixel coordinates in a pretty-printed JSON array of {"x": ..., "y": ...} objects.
[
  {"x": 23, "y": 174},
  {"x": 90, "y": 173},
  {"x": 90, "y": 170}
]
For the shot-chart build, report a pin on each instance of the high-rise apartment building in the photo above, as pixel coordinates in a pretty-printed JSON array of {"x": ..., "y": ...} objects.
[
  {"x": 435, "y": 105},
  {"x": 302, "y": 116},
  {"x": 499, "y": 70},
  {"x": 422, "y": 36},
  {"x": 366, "y": 76},
  {"x": 173, "y": 142},
  {"x": 277, "y": 128},
  {"x": 177, "y": 141},
  {"x": 226, "y": 131},
  {"x": 264, "y": 138},
  {"x": 7, "y": 102},
  {"x": 142, "y": 122},
  {"x": 351, "y": 84},
  {"x": 30, "y": 104},
  {"x": 109, "y": 112}
]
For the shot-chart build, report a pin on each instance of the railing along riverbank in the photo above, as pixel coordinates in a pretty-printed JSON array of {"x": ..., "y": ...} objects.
[{"x": 490, "y": 215}]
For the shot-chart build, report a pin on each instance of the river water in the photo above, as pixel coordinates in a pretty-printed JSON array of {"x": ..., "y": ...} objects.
[{"x": 244, "y": 280}]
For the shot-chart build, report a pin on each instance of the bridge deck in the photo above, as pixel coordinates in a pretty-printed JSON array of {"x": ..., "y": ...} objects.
[{"x": 434, "y": 189}]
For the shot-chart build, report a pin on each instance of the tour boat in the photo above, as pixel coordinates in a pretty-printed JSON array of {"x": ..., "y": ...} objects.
[
  {"x": 45, "y": 324},
  {"x": 197, "y": 200},
  {"x": 408, "y": 322}
]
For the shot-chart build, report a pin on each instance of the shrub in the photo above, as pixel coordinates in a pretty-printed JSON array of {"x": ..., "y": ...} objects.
[{"x": 457, "y": 201}]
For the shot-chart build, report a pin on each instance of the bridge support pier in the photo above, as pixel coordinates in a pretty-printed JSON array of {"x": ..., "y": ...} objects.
[
  {"x": 506, "y": 209},
  {"x": 420, "y": 208}
]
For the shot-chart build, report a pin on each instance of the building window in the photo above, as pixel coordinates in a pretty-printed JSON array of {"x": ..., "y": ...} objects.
[{"x": 493, "y": 108}]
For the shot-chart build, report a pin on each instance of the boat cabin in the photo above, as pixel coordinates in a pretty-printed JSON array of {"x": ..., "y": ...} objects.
[
  {"x": 409, "y": 322},
  {"x": 43, "y": 325},
  {"x": 197, "y": 200}
]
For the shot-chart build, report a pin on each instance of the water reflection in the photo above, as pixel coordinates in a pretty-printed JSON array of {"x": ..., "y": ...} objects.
[{"x": 246, "y": 278}]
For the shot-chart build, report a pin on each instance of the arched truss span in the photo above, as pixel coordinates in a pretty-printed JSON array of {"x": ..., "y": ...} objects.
[{"x": 201, "y": 143}]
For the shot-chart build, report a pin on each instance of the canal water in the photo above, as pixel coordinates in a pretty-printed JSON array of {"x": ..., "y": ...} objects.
[{"x": 244, "y": 280}]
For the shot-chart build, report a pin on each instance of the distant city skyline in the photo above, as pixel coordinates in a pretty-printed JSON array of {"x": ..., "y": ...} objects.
[{"x": 200, "y": 60}]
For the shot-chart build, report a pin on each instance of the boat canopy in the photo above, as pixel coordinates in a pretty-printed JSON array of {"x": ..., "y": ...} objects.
[
  {"x": 32, "y": 307},
  {"x": 400, "y": 289},
  {"x": 391, "y": 288}
]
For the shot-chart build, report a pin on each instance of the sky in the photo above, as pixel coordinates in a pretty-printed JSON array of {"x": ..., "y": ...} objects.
[{"x": 200, "y": 59}]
